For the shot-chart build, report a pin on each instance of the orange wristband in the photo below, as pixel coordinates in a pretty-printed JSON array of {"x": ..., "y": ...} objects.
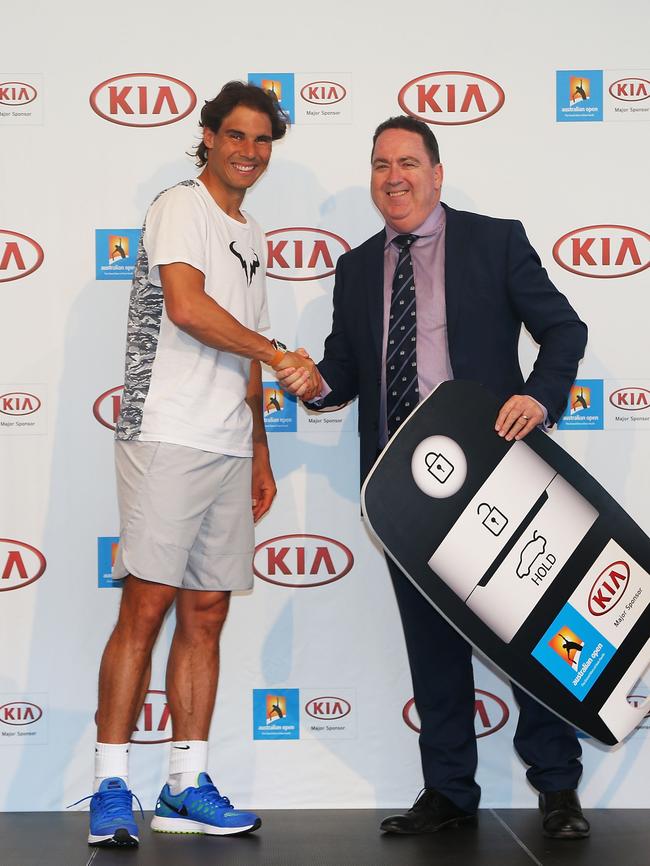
[{"x": 275, "y": 360}]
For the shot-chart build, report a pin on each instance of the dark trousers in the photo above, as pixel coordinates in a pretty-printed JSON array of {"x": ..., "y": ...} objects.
[{"x": 443, "y": 688}]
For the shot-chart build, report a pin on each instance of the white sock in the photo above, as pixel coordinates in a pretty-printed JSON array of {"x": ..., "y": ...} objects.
[
  {"x": 111, "y": 759},
  {"x": 187, "y": 759}
]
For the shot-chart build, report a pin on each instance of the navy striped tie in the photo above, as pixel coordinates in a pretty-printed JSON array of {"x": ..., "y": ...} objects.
[{"x": 401, "y": 365}]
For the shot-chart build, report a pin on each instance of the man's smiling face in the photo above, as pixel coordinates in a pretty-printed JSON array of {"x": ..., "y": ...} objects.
[
  {"x": 404, "y": 184},
  {"x": 239, "y": 152}
]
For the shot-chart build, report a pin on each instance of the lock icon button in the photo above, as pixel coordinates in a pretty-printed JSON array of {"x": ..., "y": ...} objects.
[
  {"x": 438, "y": 466},
  {"x": 493, "y": 519}
]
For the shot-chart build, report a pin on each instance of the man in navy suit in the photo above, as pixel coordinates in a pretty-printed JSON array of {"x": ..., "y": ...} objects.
[{"x": 475, "y": 281}]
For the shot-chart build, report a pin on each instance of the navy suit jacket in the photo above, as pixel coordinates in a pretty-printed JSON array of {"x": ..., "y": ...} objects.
[{"x": 494, "y": 283}]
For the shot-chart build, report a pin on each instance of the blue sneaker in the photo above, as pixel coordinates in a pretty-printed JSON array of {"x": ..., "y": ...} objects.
[
  {"x": 112, "y": 824},
  {"x": 200, "y": 810}
]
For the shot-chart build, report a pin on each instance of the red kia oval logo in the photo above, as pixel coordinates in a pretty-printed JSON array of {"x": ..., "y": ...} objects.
[
  {"x": 328, "y": 709},
  {"x": 323, "y": 92},
  {"x": 106, "y": 407},
  {"x": 451, "y": 98},
  {"x": 154, "y": 724},
  {"x": 603, "y": 251},
  {"x": 20, "y": 713},
  {"x": 637, "y": 701},
  {"x": 301, "y": 253},
  {"x": 630, "y": 89},
  {"x": 302, "y": 561},
  {"x": 16, "y": 93},
  {"x": 631, "y": 399},
  {"x": 18, "y": 403},
  {"x": 20, "y": 564},
  {"x": 608, "y": 588},
  {"x": 490, "y": 714},
  {"x": 20, "y": 256},
  {"x": 143, "y": 99}
]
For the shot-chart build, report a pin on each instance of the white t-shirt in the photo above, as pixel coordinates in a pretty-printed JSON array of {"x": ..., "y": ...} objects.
[{"x": 176, "y": 388}]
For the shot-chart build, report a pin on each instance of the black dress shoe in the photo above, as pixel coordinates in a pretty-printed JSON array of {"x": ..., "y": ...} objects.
[
  {"x": 562, "y": 816},
  {"x": 431, "y": 812}
]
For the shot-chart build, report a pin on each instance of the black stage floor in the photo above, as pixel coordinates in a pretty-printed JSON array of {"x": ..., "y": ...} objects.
[{"x": 504, "y": 837}]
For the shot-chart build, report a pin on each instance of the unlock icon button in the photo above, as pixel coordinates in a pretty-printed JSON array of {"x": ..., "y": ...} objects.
[{"x": 493, "y": 519}]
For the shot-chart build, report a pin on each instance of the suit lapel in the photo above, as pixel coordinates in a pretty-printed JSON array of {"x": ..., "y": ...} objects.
[
  {"x": 456, "y": 246},
  {"x": 374, "y": 269}
]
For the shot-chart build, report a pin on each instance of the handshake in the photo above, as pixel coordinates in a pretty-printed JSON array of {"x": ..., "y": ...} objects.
[{"x": 297, "y": 374}]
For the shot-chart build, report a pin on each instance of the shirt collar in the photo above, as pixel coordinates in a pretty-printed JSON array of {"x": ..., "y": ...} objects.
[{"x": 431, "y": 226}]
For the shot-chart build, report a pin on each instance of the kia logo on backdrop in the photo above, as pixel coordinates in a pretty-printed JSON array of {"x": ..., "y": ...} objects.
[
  {"x": 20, "y": 713},
  {"x": 17, "y": 93},
  {"x": 106, "y": 407},
  {"x": 323, "y": 92},
  {"x": 20, "y": 256},
  {"x": 154, "y": 723},
  {"x": 20, "y": 564},
  {"x": 302, "y": 560},
  {"x": 490, "y": 714},
  {"x": 17, "y": 403},
  {"x": 451, "y": 98},
  {"x": 630, "y": 399},
  {"x": 328, "y": 708},
  {"x": 630, "y": 89},
  {"x": 303, "y": 253},
  {"x": 608, "y": 588},
  {"x": 142, "y": 99},
  {"x": 603, "y": 251}
]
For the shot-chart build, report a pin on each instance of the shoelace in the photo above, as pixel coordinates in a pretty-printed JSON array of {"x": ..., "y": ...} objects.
[
  {"x": 210, "y": 795},
  {"x": 113, "y": 802}
]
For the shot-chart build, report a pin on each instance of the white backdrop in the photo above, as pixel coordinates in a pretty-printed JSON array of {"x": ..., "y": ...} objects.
[{"x": 67, "y": 171}]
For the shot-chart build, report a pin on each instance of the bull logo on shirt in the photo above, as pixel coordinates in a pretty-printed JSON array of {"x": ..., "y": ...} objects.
[{"x": 249, "y": 261}]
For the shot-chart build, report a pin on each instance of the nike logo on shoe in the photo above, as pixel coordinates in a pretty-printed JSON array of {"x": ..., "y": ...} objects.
[{"x": 182, "y": 811}]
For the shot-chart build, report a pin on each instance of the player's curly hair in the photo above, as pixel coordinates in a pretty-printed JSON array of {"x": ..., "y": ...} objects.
[{"x": 231, "y": 95}]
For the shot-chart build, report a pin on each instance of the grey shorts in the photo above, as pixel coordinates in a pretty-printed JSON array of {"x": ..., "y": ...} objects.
[{"x": 186, "y": 516}]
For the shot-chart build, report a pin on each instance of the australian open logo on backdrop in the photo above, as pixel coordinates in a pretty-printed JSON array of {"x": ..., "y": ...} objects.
[
  {"x": 142, "y": 99},
  {"x": 302, "y": 561},
  {"x": 585, "y": 407},
  {"x": 106, "y": 407},
  {"x": 451, "y": 98},
  {"x": 309, "y": 97},
  {"x": 116, "y": 251},
  {"x": 302, "y": 253},
  {"x": 579, "y": 95},
  {"x": 276, "y": 714},
  {"x": 603, "y": 251},
  {"x": 280, "y": 409},
  {"x": 491, "y": 713},
  {"x": 20, "y": 256},
  {"x": 281, "y": 84},
  {"x": 106, "y": 552},
  {"x": 20, "y": 564}
]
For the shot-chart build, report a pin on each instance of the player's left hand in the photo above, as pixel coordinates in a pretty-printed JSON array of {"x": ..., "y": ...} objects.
[
  {"x": 263, "y": 488},
  {"x": 518, "y": 416}
]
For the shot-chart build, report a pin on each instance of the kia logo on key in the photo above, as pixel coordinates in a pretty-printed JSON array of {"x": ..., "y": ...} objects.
[
  {"x": 301, "y": 253},
  {"x": 490, "y": 714},
  {"x": 603, "y": 251},
  {"x": 451, "y": 98},
  {"x": 17, "y": 93},
  {"x": 328, "y": 708},
  {"x": 142, "y": 99},
  {"x": 630, "y": 399},
  {"x": 106, "y": 407},
  {"x": 20, "y": 256},
  {"x": 20, "y": 564},
  {"x": 17, "y": 403},
  {"x": 630, "y": 89},
  {"x": 154, "y": 724},
  {"x": 608, "y": 588},
  {"x": 302, "y": 561},
  {"x": 323, "y": 92},
  {"x": 20, "y": 713}
]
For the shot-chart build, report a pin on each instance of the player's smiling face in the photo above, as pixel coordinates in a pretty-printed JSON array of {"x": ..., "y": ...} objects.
[
  {"x": 239, "y": 152},
  {"x": 404, "y": 185}
]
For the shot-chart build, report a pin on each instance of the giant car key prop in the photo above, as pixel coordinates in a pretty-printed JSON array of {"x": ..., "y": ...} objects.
[{"x": 525, "y": 554}]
